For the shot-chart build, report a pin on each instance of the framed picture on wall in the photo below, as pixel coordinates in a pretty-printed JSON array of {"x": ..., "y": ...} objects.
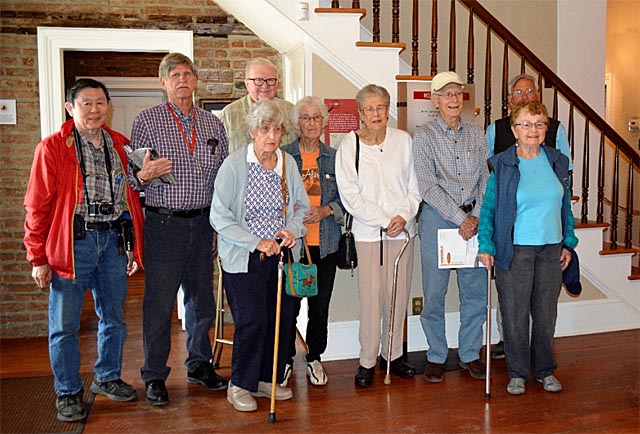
[{"x": 214, "y": 105}]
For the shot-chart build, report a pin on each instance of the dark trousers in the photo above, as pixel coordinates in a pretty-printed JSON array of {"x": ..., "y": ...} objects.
[
  {"x": 252, "y": 299},
  {"x": 531, "y": 286},
  {"x": 177, "y": 251},
  {"x": 316, "y": 338}
]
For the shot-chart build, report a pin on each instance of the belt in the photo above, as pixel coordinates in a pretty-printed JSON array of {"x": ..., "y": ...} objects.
[
  {"x": 187, "y": 214},
  {"x": 468, "y": 206},
  {"x": 101, "y": 226}
]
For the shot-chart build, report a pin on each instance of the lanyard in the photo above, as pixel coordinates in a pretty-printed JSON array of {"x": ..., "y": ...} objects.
[{"x": 190, "y": 145}]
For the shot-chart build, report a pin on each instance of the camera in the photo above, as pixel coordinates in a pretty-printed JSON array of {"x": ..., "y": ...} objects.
[{"x": 101, "y": 208}]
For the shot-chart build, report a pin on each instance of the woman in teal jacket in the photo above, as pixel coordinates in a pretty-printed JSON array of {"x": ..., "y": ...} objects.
[{"x": 526, "y": 227}]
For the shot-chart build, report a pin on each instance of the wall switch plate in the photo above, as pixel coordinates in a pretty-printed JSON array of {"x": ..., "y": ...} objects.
[
  {"x": 416, "y": 305},
  {"x": 634, "y": 125}
]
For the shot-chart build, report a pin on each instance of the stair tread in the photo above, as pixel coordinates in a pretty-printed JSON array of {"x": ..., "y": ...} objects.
[
  {"x": 400, "y": 45},
  {"x": 341, "y": 11}
]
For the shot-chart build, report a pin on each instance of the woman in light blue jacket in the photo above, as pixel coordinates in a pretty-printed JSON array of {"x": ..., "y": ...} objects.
[{"x": 250, "y": 211}]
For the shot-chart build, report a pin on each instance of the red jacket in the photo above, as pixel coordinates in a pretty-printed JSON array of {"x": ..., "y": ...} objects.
[{"x": 54, "y": 190}]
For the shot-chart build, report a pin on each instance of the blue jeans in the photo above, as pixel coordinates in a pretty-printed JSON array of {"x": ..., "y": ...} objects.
[
  {"x": 531, "y": 286},
  {"x": 100, "y": 268},
  {"x": 472, "y": 286},
  {"x": 177, "y": 251}
]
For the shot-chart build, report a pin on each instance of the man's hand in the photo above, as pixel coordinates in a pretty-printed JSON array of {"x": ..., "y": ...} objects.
[
  {"x": 469, "y": 227},
  {"x": 132, "y": 265},
  {"x": 42, "y": 275},
  {"x": 152, "y": 169}
]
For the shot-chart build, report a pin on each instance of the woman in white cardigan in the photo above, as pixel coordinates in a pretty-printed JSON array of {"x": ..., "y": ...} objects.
[{"x": 381, "y": 194}]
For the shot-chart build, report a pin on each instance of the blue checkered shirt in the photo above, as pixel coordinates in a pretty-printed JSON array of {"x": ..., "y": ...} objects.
[{"x": 451, "y": 167}]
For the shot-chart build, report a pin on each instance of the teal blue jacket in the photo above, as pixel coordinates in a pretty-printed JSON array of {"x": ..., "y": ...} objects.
[{"x": 499, "y": 208}]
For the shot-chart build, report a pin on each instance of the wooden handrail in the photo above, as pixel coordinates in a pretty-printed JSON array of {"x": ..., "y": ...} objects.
[{"x": 550, "y": 76}]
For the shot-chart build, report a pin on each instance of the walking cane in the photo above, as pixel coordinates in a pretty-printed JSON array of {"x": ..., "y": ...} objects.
[
  {"x": 387, "y": 377},
  {"x": 276, "y": 340},
  {"x": 487, "y": 381}
]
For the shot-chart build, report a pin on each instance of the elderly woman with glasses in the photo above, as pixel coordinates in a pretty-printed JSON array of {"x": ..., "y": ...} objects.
[
  {"x": 258, "y": 208},
  {"x": 526, "y": 230},
  {"x": 316, "y": 162},
  {"x": 381, "y": 194}
]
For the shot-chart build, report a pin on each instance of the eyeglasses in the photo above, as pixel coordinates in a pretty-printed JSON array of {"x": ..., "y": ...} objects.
[
  {"x": 520, "y": 92},
  {"x": 381, "y": 109},
  {"x": 307, "y": 118},
  {"x": 265, "y": 129},
  {"x": 450, "y": 95},
  {"x": 528, "y": 125},
  {"x": 260, "y": 81}
]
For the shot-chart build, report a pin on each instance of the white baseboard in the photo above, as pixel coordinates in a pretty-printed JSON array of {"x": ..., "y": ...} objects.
[{"x": 574, "y": 318}]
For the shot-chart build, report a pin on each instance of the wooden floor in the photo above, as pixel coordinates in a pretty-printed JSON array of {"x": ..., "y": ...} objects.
[{"x": 599, "y": 374}]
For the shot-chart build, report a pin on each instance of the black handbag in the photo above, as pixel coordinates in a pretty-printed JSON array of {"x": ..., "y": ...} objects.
[{"x": 347, "y": 254}]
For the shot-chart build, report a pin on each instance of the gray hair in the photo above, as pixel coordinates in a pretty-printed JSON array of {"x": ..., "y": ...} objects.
[
  {"x": 171, "y": 60},
  {"x": 309, "y": 100},
  {"x": 266, "y": 110},
  {"x": 372, "y": 90},
  {"x": 519, "y": 77},
  {"x": 256, "y": 61}
]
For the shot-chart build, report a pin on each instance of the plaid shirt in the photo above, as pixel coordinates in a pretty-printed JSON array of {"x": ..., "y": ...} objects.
[
  {"x": 156, "y": 128},
  {"x": 451, "y": 167},
  {"x": 96, "y": 181}
]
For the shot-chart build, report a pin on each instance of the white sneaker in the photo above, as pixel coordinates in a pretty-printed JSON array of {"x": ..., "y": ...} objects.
[
  {"x": 264, "y": 391},
  {"x": 316, "y": 373},
  {"x": 288, "y": 370},
  {"x": 550, "y": 383}
]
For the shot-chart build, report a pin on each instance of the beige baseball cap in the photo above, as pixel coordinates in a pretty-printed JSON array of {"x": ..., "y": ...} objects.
[{"x": 442, "y": 79}]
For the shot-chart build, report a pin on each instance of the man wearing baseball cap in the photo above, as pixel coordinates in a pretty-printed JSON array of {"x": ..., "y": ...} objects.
[{"x": 450, "y": 163}]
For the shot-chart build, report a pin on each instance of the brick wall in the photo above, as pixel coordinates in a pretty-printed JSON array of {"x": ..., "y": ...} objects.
[{"x": 222, "y": 48}]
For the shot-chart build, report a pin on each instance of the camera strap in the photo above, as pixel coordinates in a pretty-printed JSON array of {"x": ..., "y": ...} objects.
[{"x": 83, "y": 169}]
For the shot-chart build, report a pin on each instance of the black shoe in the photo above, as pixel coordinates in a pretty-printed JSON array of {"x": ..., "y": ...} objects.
[
  {"x": 497, "y": 351},
  {"x": 476, "y": 368},
  {"x": 398, "y": 367},
  {"x": 205, "y": 375},
  {"x": 71, "y": 408},
  {"x": 116, "y": 390},
  {"x": 156, "y": 392},
  {"x": 364, "y": 376}
]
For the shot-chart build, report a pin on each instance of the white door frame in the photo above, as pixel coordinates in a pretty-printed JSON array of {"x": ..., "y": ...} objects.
[{"x": 53, "y": 41}]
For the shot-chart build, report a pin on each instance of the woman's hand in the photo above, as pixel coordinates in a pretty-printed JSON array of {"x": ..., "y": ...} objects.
[
  {"x": 396, "y": 226},
  {"x": 288, "y": 240},
  {"x": 41, "y": 274},
  {"x": 317, "y": 213},
  {"x": 486, "y": 259},
  {"x": 132, "y": 265},
  {"x": 268, "y": 247},
  {"x": 565, "y": 258}
]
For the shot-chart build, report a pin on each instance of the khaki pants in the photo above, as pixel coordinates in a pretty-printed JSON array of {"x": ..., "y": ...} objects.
[{"x": 374, "y": 287}]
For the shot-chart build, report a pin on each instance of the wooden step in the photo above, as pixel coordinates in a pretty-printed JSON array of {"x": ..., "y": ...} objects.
[
  {"x": 400, "y": 45},
  {"x": 589, "y": 224},
  {"x": 341, "y": 11},
  {"x": 635, "y": 273}
]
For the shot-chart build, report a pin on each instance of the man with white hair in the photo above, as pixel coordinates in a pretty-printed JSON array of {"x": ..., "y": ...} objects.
[
  {"x": 450, "y": 163},
  {"x": 261, "y": 81}
]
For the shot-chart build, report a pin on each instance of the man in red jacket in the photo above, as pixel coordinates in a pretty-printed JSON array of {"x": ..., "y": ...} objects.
[{"x": 84, "y": 230}]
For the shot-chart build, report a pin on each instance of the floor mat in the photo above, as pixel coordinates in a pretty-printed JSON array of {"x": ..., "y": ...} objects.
[{"x": 27, "y": 405}]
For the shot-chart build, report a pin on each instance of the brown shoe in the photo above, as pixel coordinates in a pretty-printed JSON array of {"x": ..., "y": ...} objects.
[
  {"x": 476, "y": 369},
  {"x": 434, "y": 372}
]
